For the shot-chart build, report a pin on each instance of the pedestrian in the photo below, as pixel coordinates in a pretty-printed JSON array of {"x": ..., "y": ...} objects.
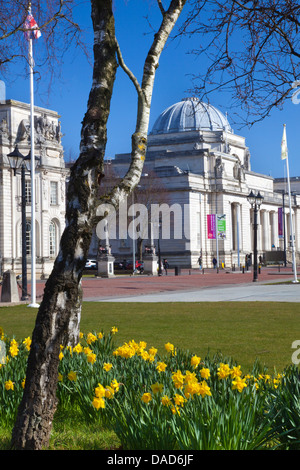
[
  {"x": 214, "y": 262},
  {"x": 200, "y": 262},
  {"x": 166, "y": 266}
]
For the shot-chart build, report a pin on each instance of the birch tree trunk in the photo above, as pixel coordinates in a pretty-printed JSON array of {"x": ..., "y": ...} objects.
[
  {"x": 59, "y": 313},
  {"x": 58, "y": 317}
]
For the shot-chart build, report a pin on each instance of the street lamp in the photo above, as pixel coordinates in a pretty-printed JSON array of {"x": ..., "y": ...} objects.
[
  {"x": 255, "y": 200},
  {"x": 158, "y": 243},
  {"x": 16, "y": 161}
]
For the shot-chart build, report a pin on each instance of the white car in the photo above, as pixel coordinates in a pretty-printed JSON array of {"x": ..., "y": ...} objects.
[{"x": 91, "y": 264}]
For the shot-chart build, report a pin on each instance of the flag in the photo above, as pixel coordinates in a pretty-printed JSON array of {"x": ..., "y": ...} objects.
[
  {"x": 284, "y": 149},
  {"x": 32, "y": 28}
]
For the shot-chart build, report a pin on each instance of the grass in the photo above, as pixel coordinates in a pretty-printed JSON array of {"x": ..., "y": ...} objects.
[
  {"x": 245, "y": 331},
  {"x": 71, "y": 433}
]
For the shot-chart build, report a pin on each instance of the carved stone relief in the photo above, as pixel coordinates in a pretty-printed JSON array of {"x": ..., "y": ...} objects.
[{"x": 45, "y": 130}]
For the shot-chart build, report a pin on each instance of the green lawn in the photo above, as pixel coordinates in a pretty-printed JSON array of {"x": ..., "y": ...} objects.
[{"x": 246, "y": 331}]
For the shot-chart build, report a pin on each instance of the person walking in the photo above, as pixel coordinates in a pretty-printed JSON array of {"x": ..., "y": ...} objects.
[
  {"x": 166, "y": 266},
  {"x": 214, "y": 262},
  {"x": 200, "y": 262}
]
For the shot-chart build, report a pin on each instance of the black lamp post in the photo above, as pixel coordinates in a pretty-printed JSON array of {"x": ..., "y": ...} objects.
[
  {"x": 255, "y": 200},
  {"x": 158, "y": 245},
  {"x": 16, "y": 161}
]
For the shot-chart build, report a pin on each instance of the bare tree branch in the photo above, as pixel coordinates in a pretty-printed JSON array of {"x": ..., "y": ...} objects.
[{"x": 252, "y": 50}]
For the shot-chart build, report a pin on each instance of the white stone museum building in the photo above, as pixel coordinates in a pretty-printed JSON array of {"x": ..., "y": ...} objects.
[
  {"x": 203, "y": 168},
  {"x": 50, "y": 185},
  {"x": 196, "y": 166}
]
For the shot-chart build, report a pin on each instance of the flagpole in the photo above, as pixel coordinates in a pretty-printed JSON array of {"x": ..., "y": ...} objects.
[
  {"x": 32, "y": 162},
  {"x": 291, "y": 218}
]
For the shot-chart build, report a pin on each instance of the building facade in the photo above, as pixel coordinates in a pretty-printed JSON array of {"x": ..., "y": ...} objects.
[
  {"x": 205, "y": 170},
  {"x": 50, "y": 186},
  {"x": 196, "y": 167}
]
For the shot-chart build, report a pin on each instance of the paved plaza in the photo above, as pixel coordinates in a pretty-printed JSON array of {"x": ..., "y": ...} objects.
[{"x": 190, "y": 286}]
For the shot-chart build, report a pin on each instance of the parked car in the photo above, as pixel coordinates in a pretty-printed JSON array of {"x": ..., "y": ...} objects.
[
  {"x": 139, "y": 266},
  {"x": 91, "y": 264}
]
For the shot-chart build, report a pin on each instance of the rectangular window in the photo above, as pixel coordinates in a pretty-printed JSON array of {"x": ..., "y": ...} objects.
[
  {"x": 28, "y": 192},
  {"x": 53, "y": 193}
]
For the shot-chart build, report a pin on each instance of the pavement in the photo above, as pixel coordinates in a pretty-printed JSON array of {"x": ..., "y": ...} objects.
[
  {"x": 211, "y": 287},
  {"x": 190, "y": 286}
]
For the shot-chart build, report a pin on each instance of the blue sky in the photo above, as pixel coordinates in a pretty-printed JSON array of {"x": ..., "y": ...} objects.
[{"x": 69, "y": 95}]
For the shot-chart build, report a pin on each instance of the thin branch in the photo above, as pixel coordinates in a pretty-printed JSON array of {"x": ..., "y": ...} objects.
[
  {"x": 129, "y": 72},
  {"x": 163, "y": 11}
]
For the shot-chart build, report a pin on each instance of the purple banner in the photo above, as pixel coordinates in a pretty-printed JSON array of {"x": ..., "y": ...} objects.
[
  {"x": 211, "y": 226},
  {"x": 280, "y": 222}
]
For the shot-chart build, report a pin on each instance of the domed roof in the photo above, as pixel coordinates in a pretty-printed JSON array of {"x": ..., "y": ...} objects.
[{"x": 190, "y": 114}]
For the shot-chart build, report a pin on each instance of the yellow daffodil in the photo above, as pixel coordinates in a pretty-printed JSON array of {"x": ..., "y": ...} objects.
[
  {"x": 78, "y": 348},
  {"x": 98, "y": 403},
  {"x": 152, "y": 351},
  {"x": 107, "y": 366},
  {"x": 236, "y": 372},
  {"x": 205, "y": 373},
  {"x": 91, "y": 358},
  {"x": 9, "y": 385},
  {"x": 72, "y": 376},
  {"x": 169, "y": 347},
  {"x": 204, "y": 389},
  {"x": 161, "y": 366},
  {"x": 91, "y": 338},
  {"x": 157, "y": 388},
  {"x": 100, "y": 391},
  {"x": 114, "y": 330},
  {"x": 223, "y": 371},
  {"x": 13, "y": 350},
  {"x": 179, "y": 400},
  {"x": 146, "y": 397},
  {"x": 109, "y": 392},
  {"x": 195, "y": 361},
  {"x": 178, "y": 379},
  {"x": 115, "y": 385},
  {"x": 27, "y": 343},
  {"x": 239, "y": 384},
  {"x": 166, "y": 401}
]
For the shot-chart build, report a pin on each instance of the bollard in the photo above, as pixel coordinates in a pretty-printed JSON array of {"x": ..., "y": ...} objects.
[{"x": 9, "y": 287}]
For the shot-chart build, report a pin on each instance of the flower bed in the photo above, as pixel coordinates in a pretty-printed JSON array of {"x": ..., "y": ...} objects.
[{"x": 168, "y": 400}]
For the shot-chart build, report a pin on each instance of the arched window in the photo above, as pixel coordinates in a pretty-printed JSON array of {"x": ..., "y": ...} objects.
[{"x": 52, "y": 238}]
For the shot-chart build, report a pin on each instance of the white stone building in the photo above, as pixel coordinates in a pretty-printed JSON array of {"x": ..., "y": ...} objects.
[
  {"x": 50, "y": 185},
  {"x": 205, "y": 168}
]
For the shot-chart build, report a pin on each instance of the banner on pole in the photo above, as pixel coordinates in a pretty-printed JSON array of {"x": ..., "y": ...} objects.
[
  {"x": 211, "y": 226},
  {"x": 280, "y": 222},
  {"x": 216, "y": 226},
  {"x": 221, "y": 224}
]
